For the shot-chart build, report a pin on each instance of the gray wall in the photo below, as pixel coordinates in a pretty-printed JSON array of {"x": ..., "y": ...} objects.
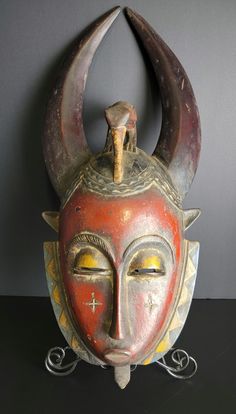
[{"x": 34, "y": 36}]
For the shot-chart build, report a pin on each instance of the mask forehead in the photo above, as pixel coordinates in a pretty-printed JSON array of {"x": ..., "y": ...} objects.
[{"x": 122, "y": 220}]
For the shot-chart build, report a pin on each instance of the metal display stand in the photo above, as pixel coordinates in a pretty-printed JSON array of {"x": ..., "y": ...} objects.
[{"x": 177, "y": 363}]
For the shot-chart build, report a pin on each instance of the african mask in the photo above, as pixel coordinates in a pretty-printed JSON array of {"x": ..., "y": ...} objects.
[{"x": 121, "y": 275}]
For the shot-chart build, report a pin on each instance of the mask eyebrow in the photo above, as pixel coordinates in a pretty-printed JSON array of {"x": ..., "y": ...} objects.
[
  {"x": 94, "y": 240},
  {"x": 141, "y": 241}
]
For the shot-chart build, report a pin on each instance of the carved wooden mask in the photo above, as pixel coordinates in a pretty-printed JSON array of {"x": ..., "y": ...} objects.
[{"x": 121, "y": 276}]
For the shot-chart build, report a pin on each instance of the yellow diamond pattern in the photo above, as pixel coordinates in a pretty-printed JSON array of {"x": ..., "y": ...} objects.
[
  {"x": 56, "y": 295},
  {"x": 63, "y": 322}
]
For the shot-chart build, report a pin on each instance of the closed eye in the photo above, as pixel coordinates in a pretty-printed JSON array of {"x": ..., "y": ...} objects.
[
  {"x": 148, "y": 271},
  {"x": 90, "y": 270}
]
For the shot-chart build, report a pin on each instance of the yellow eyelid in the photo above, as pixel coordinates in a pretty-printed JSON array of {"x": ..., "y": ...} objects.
[
  {"x": 87, "y": 261},
  {"x": 151, "y": 262},
  {"x": 90, "y": 261},
  {"x": 147, "y": 264}
]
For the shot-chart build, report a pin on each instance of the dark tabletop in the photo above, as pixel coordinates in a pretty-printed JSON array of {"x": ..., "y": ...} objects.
[{"x": 29, "y": 329}]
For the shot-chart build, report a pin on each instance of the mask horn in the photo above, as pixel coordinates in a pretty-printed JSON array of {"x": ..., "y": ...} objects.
[
  {"x": 190, "y": 216},
  {"x": 64, "y": 141},
  {"x": 52, "y": 218},
  {"x": 180, "y": 138}
]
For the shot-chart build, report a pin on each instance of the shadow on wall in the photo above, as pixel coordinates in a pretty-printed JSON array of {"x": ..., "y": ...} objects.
[{"x": 29, "y": 193}]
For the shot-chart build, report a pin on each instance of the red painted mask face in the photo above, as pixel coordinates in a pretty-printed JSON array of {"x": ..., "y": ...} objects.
[
  {"x": 121, "y": 265},
  {"x": 121, "y": 276}
]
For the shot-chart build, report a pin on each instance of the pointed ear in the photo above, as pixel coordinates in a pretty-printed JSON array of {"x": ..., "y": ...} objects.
[
  {"x": 190, "y": 216},
  {"x": 51, "y": 218}
]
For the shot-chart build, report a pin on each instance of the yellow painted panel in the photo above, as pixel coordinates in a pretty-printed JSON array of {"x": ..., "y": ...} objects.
[
  {"x": 176, "y": 322},
  {"x": 164, "y": 345},
  {"x": 185, "y": 297},
  {"x": 75, "y": 344},
  {"x": 56, "y": 295},
  {"x": 148, "y": 360},
  {"x": 63, "y": 320},
  {"x": 51, "y": 270}
]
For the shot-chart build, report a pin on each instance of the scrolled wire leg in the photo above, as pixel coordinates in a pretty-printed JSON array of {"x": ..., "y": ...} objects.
[
  {"x": 184, "y": 366},
  {"x": 54, "y": 361}
]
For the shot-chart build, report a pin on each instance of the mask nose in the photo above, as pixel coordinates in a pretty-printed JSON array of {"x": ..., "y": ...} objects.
[{"x": 118, "y": 329}]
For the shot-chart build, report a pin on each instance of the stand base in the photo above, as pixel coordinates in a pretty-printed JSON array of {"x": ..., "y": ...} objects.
[
  {"x": 178, "y": 363},
  {"x": 181, "y": 365}
]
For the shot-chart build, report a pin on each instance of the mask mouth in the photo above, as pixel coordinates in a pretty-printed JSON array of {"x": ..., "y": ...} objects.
[{"x": 117, "y": 356}]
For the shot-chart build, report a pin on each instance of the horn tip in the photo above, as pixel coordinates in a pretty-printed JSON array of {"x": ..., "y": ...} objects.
[
  {"x": 115, "y": 10},
  {"x": 130, "y": 13}
]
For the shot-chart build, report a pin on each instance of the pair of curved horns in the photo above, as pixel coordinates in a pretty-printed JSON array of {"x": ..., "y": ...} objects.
[{"x": 64, "y": 142}]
